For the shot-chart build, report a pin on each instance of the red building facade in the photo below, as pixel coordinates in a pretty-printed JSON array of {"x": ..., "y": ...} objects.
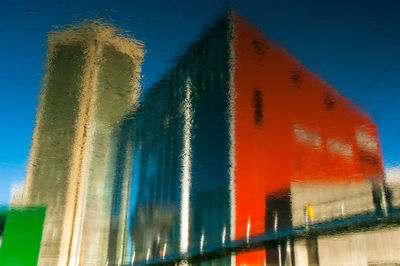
[{"x": 289, "y": 126}]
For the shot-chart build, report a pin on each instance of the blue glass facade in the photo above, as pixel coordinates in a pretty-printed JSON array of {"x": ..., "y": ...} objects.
[{"x": 198, "y": 84}]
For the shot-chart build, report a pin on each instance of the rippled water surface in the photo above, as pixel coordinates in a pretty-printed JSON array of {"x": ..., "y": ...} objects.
[{"x": 213, "y": 133}]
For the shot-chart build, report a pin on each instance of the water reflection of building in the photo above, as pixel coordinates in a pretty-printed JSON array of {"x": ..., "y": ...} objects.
[
  {"x": 308, "y": 155},
  {"x": 91, "y": 81},
  {"x": 180, "y": 147},
  {"x": 238, "y": 140}
]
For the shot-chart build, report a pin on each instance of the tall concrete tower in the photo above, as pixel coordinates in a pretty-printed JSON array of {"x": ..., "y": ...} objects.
[{"x": 92, "y": 80}]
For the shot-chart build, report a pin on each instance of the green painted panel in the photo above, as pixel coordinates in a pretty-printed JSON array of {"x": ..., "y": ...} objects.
[{"x": 22, "y": 235}]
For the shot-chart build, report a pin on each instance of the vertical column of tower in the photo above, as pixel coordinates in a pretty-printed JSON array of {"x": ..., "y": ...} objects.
[
  {"x": 82, "y": 155},
  {"x": 116, "y": 85},
  {"x": 53, "y": 141}
]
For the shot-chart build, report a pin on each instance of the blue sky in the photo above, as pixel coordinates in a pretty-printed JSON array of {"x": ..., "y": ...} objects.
[{"x": 354, "y": 45}]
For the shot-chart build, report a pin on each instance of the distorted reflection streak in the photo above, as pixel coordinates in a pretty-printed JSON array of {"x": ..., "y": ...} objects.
[
  {"x": 186, "y": 168},
  {"x": 223, "y": 235},
  {"x": 248, "y": 231},
  {"x": 133, "y": 257},
  {"x": 201, "y": 242},
  {"x": 164, "y": 250}
]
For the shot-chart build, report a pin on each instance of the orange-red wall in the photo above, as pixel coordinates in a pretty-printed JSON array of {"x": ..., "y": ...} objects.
[{"x": 303, "y": 129}]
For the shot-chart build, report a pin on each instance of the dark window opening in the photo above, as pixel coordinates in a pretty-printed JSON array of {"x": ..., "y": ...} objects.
[
  {"x": 296, "y": 78},
  {"x": 257, "y": 104},
  {"x": 329, "y": 102},
  {"x": 260, "y": 46}
]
